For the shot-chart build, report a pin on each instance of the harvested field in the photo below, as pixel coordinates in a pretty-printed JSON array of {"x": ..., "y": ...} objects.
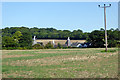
[
  {"x": 60, "y": 63},
  {"x": 13, "y": 56}
]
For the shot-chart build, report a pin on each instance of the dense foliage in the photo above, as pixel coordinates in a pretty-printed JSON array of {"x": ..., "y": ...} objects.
[
  {"x": 97, "y": 38},
  {"x": 46, "y": 33},
  {"x": 38, "y": 46},
  {"x": 21, "y": 37},
  {"x": 49, "y": 46}
]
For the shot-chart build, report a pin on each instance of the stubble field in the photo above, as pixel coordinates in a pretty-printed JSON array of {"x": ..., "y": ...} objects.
[{"x": 60, "y": 63}]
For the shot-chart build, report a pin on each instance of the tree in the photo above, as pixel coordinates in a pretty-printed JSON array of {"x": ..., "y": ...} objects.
[
  {"x": 26, "y": 40},
  {"x": 8, "y": 42},
  {"x": 101, "y": 29},
  {"x": 77, "y": 34},
  {"x": 6, "y": 34},
  {"x": 112, "y": 43},
  {"x": 17, "y": 35},
  {"x": 22, "y": 35},
  {"x": 49, "y": 45},
  {"x": 112, "y": 37},
  {"x": 96, "y": 38},
  {"x": 112, "y": 29}
]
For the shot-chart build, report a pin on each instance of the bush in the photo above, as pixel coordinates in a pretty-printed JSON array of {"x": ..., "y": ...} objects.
[
  {"x": 112, "y": 43},
  {"x": 59, "y": 45},
  {"x": 118, "y": 45},
  {"x": 9, "y": 48},
  {"x": 37, "y": 46},
  {"x": 49, "y": 46},
  {"x": 109, "y": 51},
  {"x": 29, "y": 48},
  {"x": 20, "y": 48},
  {"x": 24, "y": 48}
]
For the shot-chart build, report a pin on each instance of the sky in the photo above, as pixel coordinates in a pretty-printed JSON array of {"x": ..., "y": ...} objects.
[{"x": 86, "y": 16}]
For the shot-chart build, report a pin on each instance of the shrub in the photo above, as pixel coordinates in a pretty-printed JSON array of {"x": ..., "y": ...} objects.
[
  {"x": 24, "y": 48},
  {"x": 37, "y": 46},
  {"x": 109, "y": 51},
  {"x": 49, "y": 46},
  {"x": 59, "y": 45},
  {"x": 20, "y": 48},
  {"x": 10, "y": 48},
  {"x": 112, "y": 43}
]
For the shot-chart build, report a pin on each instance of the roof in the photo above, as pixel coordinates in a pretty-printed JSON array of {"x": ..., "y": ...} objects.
[{"x": 45, "y": 41}]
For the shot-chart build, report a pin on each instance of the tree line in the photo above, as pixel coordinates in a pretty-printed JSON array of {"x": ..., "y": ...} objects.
[
  {"x": 97, "y": 38},
  {"x": 21, "y": 37},
  {"x": 46, "y": 33}
]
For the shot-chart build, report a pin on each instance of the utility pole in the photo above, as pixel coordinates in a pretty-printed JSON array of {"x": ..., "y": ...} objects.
[{"x": 105, "y": 22}]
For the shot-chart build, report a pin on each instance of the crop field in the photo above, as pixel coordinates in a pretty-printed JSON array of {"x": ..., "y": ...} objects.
[{"x": 60, "y": 63}]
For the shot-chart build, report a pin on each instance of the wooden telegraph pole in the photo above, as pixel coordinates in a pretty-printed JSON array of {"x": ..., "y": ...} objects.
[{"x": 105, "y": 23}]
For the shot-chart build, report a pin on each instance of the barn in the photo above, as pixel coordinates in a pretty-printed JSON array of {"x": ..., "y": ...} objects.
[{"x": 73, "y": 43}]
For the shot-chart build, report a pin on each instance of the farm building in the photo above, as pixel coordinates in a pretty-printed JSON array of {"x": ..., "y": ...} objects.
[
  {"x": 80, "y": 44},
  {"x": 56, "y": 41},
  {"x": 64, "y": 43}
]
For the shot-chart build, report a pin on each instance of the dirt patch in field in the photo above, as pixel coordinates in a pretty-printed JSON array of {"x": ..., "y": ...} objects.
[
  {"x": 64, "y": 68},
  {"x": 48, "y": 52},
  {"x": 24, "y": 74},
  {"x": 5, "y": 52},
  {"x": 12, "y": 56},
  {"x": 80, "y": 58},
  {"x": 58, "y": 52},
  {"x": 107, "y": 54}
]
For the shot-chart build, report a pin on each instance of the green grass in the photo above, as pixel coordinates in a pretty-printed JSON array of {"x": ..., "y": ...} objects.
[
  {"x": 60, "y": 63},
  {"x": 109, "y": 51}
]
